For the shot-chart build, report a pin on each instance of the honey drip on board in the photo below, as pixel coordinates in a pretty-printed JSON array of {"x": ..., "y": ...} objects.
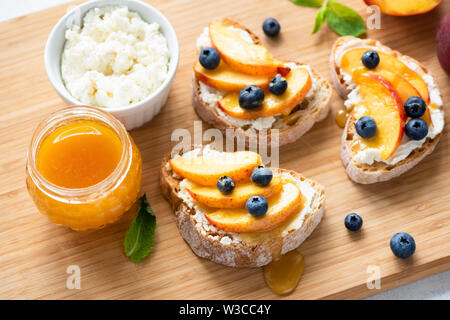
[
  {"x": 341, "y": 117},
  {"x": 283, "y": 274}
]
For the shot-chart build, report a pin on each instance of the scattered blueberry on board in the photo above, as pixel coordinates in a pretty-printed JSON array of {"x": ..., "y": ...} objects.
[
  {"x": 271, "y": 27},
  {"x": 366, "y": 127},
  {"x": 257, "y": 206},
  {"x": 262, "y": 176},
  {"x": 209, "y": 58},
  {"x": 403, "y": 245},
  {"x": 251, "y": 97},
  {"x": 278, "y": 85},
  {"x": 226, "y": 185},
  {"x": 415, "y": 107},
  {"x": 416, "y": 129},
  {"x": 370, "y": 59},
  {"x": 353, "y": 222}
]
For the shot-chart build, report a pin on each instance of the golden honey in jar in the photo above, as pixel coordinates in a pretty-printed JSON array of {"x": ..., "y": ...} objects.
[{"x": 83, "y": 170}]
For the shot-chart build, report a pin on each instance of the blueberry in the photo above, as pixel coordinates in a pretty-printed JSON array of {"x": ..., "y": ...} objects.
[
  {"x": 251, "y": 97},
  {"x": 257, "y": 206},
  {"x": 403, "y": 245},
  {"x": 262, "y": 176},
  {"x": 209, "y": 58},
  {"x": 353, "y": 222},
  {"x": 366, "y": 127},
  {"x": 278, "y": 85},
  {"x": 416, "y": 129},
  {"x": 226, "y": 185},
  {"x": 370, "y": 59},
  {"x": 271, "y": 27},
  {"x": 415, "y": 107}
]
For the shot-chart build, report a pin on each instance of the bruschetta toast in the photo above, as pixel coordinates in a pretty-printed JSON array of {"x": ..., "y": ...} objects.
[
  {"x": 398, "y": 106},
  {"x": 221, "y": 227},
  {"x": 215, "y": 93}
]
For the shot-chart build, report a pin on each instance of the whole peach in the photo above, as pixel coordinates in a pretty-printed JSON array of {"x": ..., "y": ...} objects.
[{"x": 443, "y": 43}]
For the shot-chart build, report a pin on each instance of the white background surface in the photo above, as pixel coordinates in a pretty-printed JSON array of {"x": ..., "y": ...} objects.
[{"x": 434, "y": 287}]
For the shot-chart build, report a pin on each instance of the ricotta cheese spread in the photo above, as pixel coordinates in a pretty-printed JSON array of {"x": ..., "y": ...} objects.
[
  {"x": 227, "y": 238},
  {"x": 115, "y": 59},
  {"x": 371, "y": 155}
]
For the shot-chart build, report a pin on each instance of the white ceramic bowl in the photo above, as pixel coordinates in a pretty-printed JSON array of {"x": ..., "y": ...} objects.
[{"x": 132, "y": 116}]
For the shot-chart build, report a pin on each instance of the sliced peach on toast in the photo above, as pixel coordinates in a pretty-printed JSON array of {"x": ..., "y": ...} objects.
[
  {"x": 280, "y": 207},
  {"x": 299, "y": 84},
  {"x": 381, "y": 102},
  {"x": 242, "y": 55},
  {"x": 351, "y": 61},
  {"x": 404, "y": 89},
  {"x": 212, "y": 197},
  {"x": 226, "y": 79},
  {"x": 207, "y": 170},
  {"x": 404, "y": 7}
]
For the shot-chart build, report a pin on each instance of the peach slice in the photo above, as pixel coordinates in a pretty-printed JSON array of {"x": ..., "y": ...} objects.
[
  {"x": 404, "y": 90},
  {"x": 226, "y": 79},
  {"x": 404, "y": 7},
  {"x": 241, "y": 55},
  {"x": 299, "y": 84},
  {"x": 207, "y": 170},
  {"x": 212, "y": 197},
  {"x": 351, "y": 61},
  {"x": 381, "y": 101},
  {"x": 281, "y": 206}
]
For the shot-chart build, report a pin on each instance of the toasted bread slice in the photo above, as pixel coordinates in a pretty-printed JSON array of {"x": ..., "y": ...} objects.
[
  {"x": 378, "y": 171},
  {"x": 313, "y": 108},
  {"x": 241, "y": 250}
]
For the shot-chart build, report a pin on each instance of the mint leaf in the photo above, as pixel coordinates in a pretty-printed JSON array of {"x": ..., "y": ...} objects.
[
  {"x": 344, "y": 21},
  {"x": 140, "y": 237},
  {"x": 320, "y": 18},
  {"x": 308, "y": 3}
]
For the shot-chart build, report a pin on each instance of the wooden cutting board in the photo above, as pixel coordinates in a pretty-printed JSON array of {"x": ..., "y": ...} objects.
[{"x": 35, "y": 253}]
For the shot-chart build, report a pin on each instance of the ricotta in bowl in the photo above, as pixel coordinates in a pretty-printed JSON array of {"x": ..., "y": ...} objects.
[{"x": 114, "y": 59}]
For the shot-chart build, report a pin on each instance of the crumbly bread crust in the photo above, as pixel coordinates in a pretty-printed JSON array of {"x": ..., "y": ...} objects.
[
  {"x": 291, "y": 128},
  {"x": 378, "y": 171},
  {"x": 236, "y": 254}
]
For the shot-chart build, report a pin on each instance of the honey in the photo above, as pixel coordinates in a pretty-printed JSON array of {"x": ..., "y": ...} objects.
[
  {"x": 79, "y": 155},
  {"x": 341, "y": 117},
  {"x": 285, "y": 271},
  {"x": 282, "y": 275},
  {"x": 83, "y": 169}
]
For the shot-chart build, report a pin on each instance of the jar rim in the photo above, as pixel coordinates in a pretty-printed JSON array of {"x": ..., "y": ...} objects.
[{"x": 63, "y": 117}]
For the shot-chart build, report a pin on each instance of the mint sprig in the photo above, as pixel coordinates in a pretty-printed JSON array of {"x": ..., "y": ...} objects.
[
  {"x": 340, "y": 18},
  {"x": 308, "y": 3},
  {"x": 140, "y": 237},
  {"x": 320, "y": 18}
]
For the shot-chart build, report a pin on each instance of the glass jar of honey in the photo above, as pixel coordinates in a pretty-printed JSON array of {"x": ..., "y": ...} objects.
[{"x": 83, "y": 169}]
